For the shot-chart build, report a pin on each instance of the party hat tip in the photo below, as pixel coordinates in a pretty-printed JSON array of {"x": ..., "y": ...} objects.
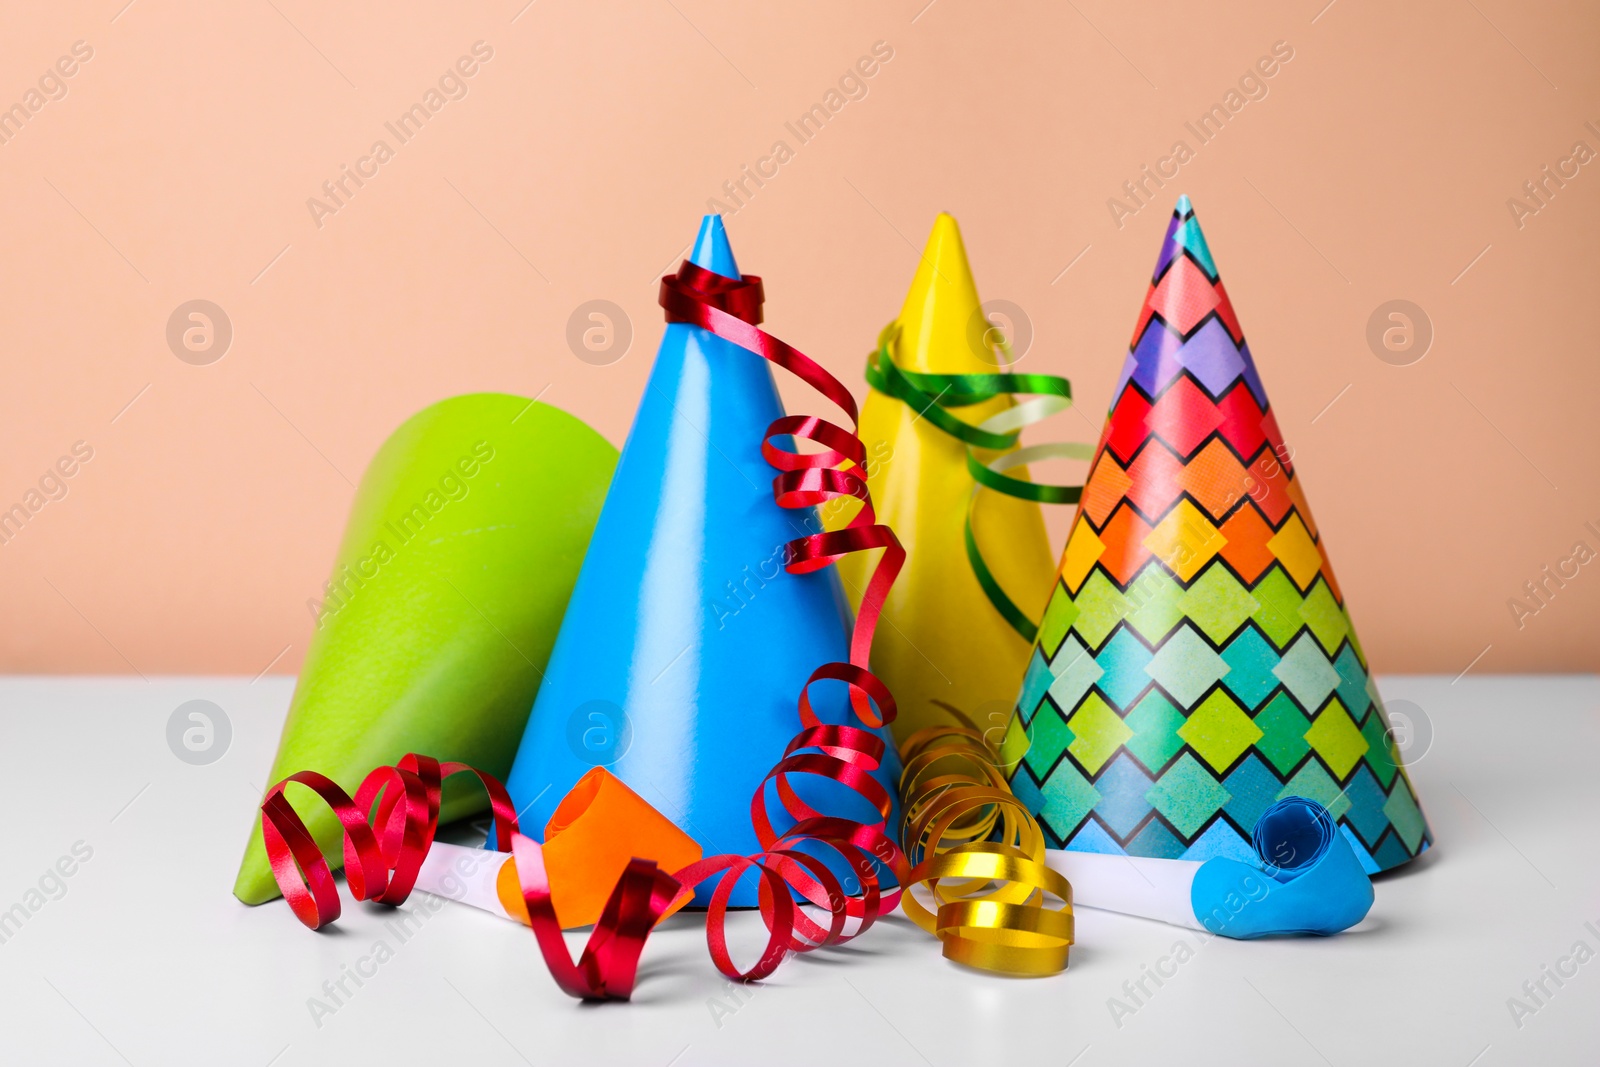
[{"x": 711, "y": 249}]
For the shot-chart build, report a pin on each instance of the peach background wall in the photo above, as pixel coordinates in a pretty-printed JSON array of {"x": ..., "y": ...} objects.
[{"x": 176, "y": 162}]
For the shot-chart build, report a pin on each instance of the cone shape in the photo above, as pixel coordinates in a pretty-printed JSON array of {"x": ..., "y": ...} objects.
[
  {"x": 460, "y": 552},
  {"x": 1196, "y": 662},
  {"x": 686, "y": 643},
  {"x": 941, "y": 638}
]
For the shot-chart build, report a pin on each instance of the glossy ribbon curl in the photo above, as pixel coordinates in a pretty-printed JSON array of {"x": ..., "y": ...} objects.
[
  {"x": 932, "y": 395},
  {"x": 382, "y": 858},
  {"x": 980, "y": 858}
]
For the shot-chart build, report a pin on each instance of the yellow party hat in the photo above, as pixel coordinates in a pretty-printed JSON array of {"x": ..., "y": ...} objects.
[{"x": 943, "y": 639}]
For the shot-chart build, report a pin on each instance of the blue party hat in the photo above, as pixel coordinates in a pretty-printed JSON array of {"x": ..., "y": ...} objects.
[{"x": 685, "y": 644}]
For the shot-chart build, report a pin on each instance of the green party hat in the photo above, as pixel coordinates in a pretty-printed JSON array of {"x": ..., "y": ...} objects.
[{"x": 432, "y": 634}]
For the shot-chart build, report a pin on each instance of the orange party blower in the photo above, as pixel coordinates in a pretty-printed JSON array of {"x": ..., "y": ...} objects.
[{"x": 596, "y": 829}]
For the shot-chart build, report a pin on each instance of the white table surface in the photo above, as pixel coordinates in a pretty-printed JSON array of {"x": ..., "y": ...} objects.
[{"x": 147, "y": 958}]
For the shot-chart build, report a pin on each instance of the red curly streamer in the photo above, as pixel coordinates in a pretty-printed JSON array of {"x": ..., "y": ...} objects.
[
  {"x": 730, "y": 309},
  {"x": 382, "y": 857},
  {"x": 610, "y": 960}
]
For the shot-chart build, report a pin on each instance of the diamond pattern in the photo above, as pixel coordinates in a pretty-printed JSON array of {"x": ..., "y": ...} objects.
[
  {"x": 1352, "y": 683},
  {"x": 1297, "y": 497},
  {"x": 1367, "y": 801},
  {"x": 1219, "y": 604},
  {"x": 1101, "y": 607},
  {"x": 1212, "y": 357},
  {"x": 1404, "y": 814},
  {"x": 1381, "y": 757},
  {"x": 1333, "y": 583},
  {"x": 1122, "y": 803},
  {"x": 1253, "y": 788},
  {"x": 1034, "y": 685},
  {"x": 1216, "y": 479},
  {"x": 1279, "y": 617},
  {"x": 1187, "y": 795},
  {"x": 1058, "y": 617},
  {"x": 1222, "y": 840},
  {"x": 1296, "y": 551},
  {"x": 1026, "y": 790},
  {"x": 1306, "y": 672},
  {"x": 1099, "y": 733},
  {"x": 1048, "y": 737},
  {"x": 1155, "y": 360},
  {"x": 1186, "y": 666},
  {"x": 1246, "y": 551},
  {"x": 1091, "y": 837},
  {"x": 1185, "y": 540},
  {"x": 1184, "y": 417},
  {"x": 1122, "y": 662},
  {"x": 1182, "y": 297},
  {"x": 1219, "y": 731},
  {"x": 1335, "y": 738},
  {"x": 1230, "y": 320},
  {"x": 1283, "y": 729},
  {"x": 1105, "y": 490},
  {"x": 1125, "y": 554},
  {"x": 1083, "y": 548},
  {"x": 1154, "y": 478},
  {"x": 1200, "y": 545},
  {"x": 1324, "y": 617},
  {"x": 1250, "y": 661},
  {"x": 1241, "y": 419},
  {"x": 1155, "y": 603},
  {"x": 1155, "y": 724},
  {"x": 1068, "y": 800},
  {"x": 1127, "y": 431},
  {"x": 1075, "y": 671},
  {"x": 1389, "y": 854},
  {"x": 1267, "y": 489}
]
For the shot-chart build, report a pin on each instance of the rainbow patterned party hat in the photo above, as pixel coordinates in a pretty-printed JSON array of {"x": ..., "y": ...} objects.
[{"x": 1196, "y": 661}]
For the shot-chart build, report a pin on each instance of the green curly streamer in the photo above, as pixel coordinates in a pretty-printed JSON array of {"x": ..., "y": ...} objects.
[{"x": 932, "y": 395}]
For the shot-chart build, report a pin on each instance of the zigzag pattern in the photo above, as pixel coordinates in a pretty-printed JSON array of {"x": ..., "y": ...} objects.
[{"x": 1196, "y": 661}]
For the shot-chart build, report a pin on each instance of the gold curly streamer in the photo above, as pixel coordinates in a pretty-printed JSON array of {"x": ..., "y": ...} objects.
[{"x": 978, "y": 856}]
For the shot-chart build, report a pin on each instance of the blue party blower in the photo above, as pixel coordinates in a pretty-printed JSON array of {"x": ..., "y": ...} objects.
[
  {"x": 685, "y": 644},
  {"x": 1303, "y": 879}
]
